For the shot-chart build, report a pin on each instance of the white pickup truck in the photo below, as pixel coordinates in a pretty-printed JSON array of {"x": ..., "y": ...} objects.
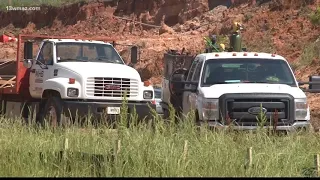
[
  {"x": 74, "y": 77},
  {"x": 235, "y": 87}
]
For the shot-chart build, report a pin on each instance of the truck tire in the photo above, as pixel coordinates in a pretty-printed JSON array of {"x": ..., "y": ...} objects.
[
  {"x": 52, "y": 112},
  {"x": 165, "y": 113},
  {"x": 197, "y": 120}
]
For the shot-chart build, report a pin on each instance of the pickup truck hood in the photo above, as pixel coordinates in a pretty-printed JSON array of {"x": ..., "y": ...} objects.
[
  {"x": 96, "y": 69},
  {"x": 215, "y": 91}
]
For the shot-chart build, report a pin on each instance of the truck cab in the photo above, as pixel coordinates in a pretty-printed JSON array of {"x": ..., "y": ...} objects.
[
  {"x": 234, "y": 88},
  {"x": 80, "y": 77}
]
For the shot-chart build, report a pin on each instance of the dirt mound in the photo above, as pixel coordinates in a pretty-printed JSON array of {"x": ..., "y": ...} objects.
[
  {"x": 175, "y": 12},
  {"x": 102, "y": 14},
  {"x": 43, "y": 18},
  {"x": 280, "y": 5}
]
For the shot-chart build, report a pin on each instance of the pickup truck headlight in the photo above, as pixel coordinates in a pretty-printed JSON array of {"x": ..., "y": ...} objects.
[
  {"x": 147, "y": 94},
  {"x": 301, "y": 109},
  {"x": 210, "y": 109},
  {"x": 72, "y": 92}
]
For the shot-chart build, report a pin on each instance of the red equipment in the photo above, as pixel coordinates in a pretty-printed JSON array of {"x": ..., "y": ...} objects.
[{"x": 4, "y": 39}]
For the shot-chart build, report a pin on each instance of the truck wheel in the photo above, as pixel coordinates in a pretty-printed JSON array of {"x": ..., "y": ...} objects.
[
  {"x": 52, "y": 112},
  {"x": 165, "y": 113},
  {"x": 197, "y": 120}
]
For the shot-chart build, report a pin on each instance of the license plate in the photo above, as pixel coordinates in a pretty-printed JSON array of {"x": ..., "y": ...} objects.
[{"x": 113, "y": 110}]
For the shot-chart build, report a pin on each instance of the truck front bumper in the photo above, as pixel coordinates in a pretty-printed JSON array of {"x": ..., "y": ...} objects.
[
  {"x": 297, "y": 125},
  {"x": 98, "y": 110}
]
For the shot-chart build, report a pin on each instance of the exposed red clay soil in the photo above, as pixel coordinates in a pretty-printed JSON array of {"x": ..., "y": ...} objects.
[{"x": 280, "y": 26}]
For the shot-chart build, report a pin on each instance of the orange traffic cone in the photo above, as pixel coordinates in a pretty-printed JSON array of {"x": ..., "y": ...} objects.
[{"x": 4, "y": 39}]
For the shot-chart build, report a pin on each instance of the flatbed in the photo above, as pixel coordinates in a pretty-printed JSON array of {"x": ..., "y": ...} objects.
[
  {"x": 71, "y": 76},
  {"x": 14, "y": 77}
]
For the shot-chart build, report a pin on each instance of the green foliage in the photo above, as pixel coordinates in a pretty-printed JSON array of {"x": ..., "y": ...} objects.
[
  {"x": 261, "y": 118},
  {"x": 223, "y": 40},
  {"x": 162, "y": 150},
  {"x": 210, "y": 44},
  {"x": 315, "y": 17},
  {"x": 310, "y": 52},
  {"x": 220, "y": 40}
]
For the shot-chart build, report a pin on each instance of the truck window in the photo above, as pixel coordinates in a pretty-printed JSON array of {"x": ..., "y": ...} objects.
[
  {"x": 46, "y": 54},
  {"x": 87, "y": 52},
  {"x": 197, "y": 72},
  {"x": 225, "y": 71},
  {"x": 192, "y": 69},
  {"x": 157, "y": 94}
]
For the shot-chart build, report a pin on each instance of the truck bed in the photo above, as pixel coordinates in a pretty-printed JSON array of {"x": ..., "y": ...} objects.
[{"x": 7, "y": 72}]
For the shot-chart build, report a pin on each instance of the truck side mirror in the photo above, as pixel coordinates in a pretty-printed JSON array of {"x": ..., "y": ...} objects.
[
  {"x": 28, "y": 50},
  {"x": 28, "y": 54},
  {"x": 314, "y": 84},
  {"x": 27, "y": 63},
  {"x": 134, "y": 54}
]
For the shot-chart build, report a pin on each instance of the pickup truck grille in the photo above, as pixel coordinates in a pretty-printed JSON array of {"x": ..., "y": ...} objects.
[
  {"x": 112, "y": 87},
  {"x": 236, "y": 107}
]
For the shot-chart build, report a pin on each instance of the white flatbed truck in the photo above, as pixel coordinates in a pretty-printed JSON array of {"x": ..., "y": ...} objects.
[{"x": 71, "y": 77}]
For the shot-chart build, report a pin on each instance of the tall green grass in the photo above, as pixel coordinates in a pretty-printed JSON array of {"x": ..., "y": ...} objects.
[{"x": 157, "y": 149}]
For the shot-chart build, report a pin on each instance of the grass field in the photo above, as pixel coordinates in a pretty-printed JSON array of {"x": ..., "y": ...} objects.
[{"x": 178, "y": 150}]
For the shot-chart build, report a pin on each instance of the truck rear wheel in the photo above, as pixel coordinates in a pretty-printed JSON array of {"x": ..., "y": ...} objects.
[
  {"x": 52, "y": 112},
  {"x": 165, "y": 113}
]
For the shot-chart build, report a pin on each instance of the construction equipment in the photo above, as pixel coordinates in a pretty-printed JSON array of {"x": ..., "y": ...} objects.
[
  {"x": 235, "y": 38},
  {"x": 235, "y": 41},
  {"x": 5, "y": 39}
]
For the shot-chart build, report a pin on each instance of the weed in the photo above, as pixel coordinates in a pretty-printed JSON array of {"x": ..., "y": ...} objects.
[
  {"x": 176, "y": 149},
  {"x": 310, "y": 52},
  {"x": 315, "y": 17},
  {"x": 247, "y": 17}
]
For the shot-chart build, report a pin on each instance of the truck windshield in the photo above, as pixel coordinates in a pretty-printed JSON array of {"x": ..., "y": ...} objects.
[
  {"x": 226, "y": 71},
  {"x": 87, "y": 52}
]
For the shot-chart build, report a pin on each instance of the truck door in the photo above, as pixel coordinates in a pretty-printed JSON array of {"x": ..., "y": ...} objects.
[
  {"x": 196, "y": 78},
  {"x": 186, "y": 104},
  {"x": 40, "y": 68}
]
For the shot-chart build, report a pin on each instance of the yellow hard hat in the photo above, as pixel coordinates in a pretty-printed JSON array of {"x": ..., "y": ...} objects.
[{"x": 222, "y": 46}]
